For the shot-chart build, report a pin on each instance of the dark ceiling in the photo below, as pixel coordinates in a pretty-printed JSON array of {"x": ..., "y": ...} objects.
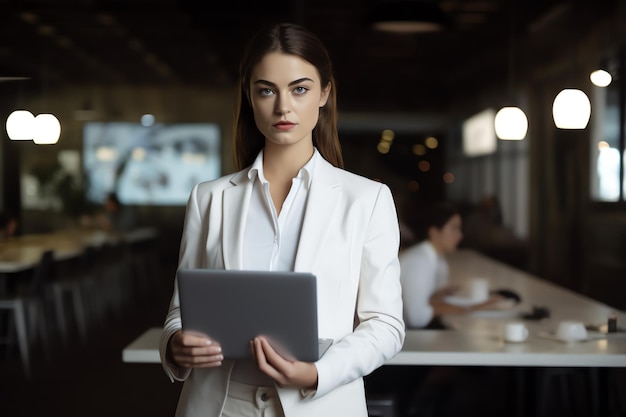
[{"x": 196, "y": 42}]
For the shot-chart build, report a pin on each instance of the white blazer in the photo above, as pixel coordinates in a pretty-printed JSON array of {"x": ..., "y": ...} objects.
[{"x": 350, "y": 241}]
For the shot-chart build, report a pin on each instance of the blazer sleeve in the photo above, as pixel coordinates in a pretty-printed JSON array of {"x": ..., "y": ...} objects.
[
  {"x": 380, "y": 331},
  {"x": 189, "y": 257}
]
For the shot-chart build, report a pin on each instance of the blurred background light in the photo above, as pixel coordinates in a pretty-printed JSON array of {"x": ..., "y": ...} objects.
[
  {"x": 147, "y": 120},
  {"x": 511, "y": 123},
  {"x": 20, "y": 125},
  {"x": 600, "y": 78},
  {"x": 47, "y": 129},
  {"x": 571, "y": 109},
  {"x": 431, "y": 142}
]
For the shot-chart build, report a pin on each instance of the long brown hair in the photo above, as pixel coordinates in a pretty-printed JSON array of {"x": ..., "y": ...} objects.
[{"x": 295, "y": 40}]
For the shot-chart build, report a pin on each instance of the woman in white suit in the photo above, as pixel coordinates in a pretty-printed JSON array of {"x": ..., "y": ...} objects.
[{"x": 291, "y": 207}]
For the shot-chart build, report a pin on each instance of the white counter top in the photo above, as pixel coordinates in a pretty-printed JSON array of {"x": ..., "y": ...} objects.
[
  {"x": 474, "y": 340},
  {"x": 144, "y": 349},
  {"x": 448, "y": 347}
]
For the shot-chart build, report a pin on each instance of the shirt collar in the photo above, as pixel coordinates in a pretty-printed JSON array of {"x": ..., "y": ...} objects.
[
  {"x": 432, "y": 252},
  {"x": 305, "y": 173},
  {"x": 256, "y": 169}
]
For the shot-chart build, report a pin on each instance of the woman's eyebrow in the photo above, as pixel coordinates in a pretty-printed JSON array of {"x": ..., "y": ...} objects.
[{"x": 271, "y": 84}]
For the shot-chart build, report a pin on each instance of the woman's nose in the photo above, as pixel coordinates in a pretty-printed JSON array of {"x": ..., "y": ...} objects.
[{"x": 282, "y": 106}]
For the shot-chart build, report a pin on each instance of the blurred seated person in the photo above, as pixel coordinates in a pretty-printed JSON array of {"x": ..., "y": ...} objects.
[
  {"x": 424, "y": 269},
  {"x": 9, "y": 225},
  {"x": 424, "y": 277},
  {"x": 116, "y": 217}
]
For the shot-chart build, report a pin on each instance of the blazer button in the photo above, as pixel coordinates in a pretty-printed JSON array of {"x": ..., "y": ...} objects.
[{"x": 265, "y": 397}]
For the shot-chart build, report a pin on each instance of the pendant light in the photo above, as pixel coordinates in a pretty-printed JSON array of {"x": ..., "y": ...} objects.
[
  {"x": 43, "y": 129},
  {"x": 510, "y": 121},
  {"x": 601, "y": 78},
  {"x": 46, "y": 126},
  {"x": 47, "y": 129},
  {"x": 20, "y": 125},
  {"x": 571, "y": 108}
]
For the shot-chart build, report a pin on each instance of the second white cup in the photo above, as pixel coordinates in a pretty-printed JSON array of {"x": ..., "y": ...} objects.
[
  {"x": 479, "y": 289},
  {"x": 571, "y": 330},
  {"x": 515, "y": 332}
]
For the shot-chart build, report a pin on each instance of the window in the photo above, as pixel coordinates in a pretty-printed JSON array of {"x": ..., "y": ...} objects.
[{"x": 608, "y": 156}]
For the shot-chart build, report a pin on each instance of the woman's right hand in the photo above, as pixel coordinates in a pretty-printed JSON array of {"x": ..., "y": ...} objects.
[{"x": 189, "y": 350}]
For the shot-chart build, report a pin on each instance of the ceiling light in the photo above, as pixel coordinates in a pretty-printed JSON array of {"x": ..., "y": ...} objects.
[
  {"x": 20, "y": 125},
  {"x": 571, "y": 109},
  {"x": 511, "y": 123},
  {"x": 47, "y": 129},
  {"x": 600, "y": 78},
  {"x": 407, "y": 16}
]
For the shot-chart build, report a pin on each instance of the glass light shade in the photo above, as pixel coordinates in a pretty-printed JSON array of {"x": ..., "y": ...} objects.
[
  {"x": 511, "y": 123},
  {"x": 20, "y": 125},
  {"x": 571, "y": 109},
  {"x": 47, "y": 129},
  {"x": 600, "y": 78}
]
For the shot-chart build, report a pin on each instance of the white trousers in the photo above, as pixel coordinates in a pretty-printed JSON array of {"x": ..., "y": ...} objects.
[{"x": 245, "y": 400}]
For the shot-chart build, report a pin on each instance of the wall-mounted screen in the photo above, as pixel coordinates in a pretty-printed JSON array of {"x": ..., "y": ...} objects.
[
  {"x": 479, "y": 134},
  {"x": 155, "y": 165}
]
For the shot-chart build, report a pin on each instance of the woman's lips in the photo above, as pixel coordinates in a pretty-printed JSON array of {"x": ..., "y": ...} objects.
[{"x": 284, "y": 125}]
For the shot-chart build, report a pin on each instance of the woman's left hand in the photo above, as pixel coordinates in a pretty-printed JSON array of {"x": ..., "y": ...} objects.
[{"x": 286, "y": 373}]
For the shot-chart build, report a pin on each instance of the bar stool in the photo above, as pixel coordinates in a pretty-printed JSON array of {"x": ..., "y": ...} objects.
[
  {"x": 576, "y": 391},
  {"x": 27, "y": 308},
  {"x": 68, "y": 282}
]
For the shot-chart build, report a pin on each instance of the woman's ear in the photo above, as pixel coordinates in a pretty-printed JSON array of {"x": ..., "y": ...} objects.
[
  {"x": 325, "y": 95},
  {"x": 432, "y": 232}
]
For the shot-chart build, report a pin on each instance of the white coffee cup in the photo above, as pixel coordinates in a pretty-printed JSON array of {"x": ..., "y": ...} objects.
[
  {"x": 571, "y": 330},
  {"x": 478, "y": 289},
  {"x": 515, "y": 332}
]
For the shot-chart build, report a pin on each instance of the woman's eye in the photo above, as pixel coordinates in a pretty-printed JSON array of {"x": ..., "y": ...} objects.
[
  {"x": 266, "y": 91},
  {"x": 300, "y": 90}
]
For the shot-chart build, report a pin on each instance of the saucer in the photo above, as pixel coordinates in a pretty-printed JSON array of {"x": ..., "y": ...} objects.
[
  {"x": 513, "y": 342},
  {"x": 462, "y": 301}
]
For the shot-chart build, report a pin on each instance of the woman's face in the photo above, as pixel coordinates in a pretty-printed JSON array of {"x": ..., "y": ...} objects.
[
  {"x": 286, "y": 95},
  {"x": 449, "y": 236}
]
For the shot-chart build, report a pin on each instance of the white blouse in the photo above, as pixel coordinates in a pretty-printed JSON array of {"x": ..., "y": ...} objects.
[
  {"x": 423, "y": 272},
  {"x": 271, "y": 239}
]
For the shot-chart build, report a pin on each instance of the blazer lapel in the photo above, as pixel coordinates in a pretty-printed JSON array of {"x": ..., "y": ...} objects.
[
  {"x": 236, "y": 203},
  {"x": 323, "y": 199}
]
